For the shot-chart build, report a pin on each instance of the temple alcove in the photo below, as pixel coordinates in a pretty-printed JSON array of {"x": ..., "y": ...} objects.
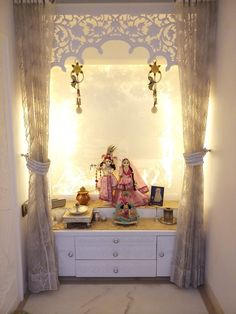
[
  {"x": 116, "y": 105},
  {"x": 116, "y": 101}
]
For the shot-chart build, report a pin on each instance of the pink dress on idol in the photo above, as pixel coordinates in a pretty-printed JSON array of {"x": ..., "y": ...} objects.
[
  {"x": 106, "y": 185},
  {"x": 130, "y": 188}
]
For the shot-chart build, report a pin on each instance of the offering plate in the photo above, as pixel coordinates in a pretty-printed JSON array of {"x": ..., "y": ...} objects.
[{"x": 78, "y": 210}]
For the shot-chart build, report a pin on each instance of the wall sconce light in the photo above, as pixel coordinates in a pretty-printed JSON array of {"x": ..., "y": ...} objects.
[
  {"x": 154, "y": 76},
  {"x": 77, "y": 76}
]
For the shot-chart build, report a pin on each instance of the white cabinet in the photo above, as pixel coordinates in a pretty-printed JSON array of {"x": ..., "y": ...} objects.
[
  {"x": 65, "y": 249},
  {"x": 118, "y": 247},
  {"x": 114, "y": 254},
  {"x": 116, "y": 268},
  {"x": 165, "y": 248}
]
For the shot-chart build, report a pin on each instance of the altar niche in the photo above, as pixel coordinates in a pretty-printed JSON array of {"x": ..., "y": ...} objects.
[{"x": 116, "y": 103}]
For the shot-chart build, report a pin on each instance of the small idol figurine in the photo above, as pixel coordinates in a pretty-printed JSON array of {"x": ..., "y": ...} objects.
[
  {"x": 130, "y": 188},
  {"x": 107, "y": 182},
  {"x": 125, "y": 214}
]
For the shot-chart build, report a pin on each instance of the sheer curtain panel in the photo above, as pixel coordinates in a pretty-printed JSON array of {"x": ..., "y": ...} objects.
[
  {"x": 34, "y": 34},
  {"x": 195, "y": 43}
]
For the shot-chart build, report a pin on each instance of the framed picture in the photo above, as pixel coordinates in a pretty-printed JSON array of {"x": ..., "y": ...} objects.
[{"x": 157, "y": 195}]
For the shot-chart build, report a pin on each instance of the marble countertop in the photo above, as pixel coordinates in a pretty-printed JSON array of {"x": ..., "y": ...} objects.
[
  {"x": 142, "y": 224},
  {"x": 149, "y": 216},
  {"x": 103, "y": 204}
]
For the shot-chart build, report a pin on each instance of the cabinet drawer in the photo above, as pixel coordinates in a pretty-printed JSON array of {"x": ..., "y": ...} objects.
[
  {"x": 165, "y": 249},
  {"x": 65, "y": 249},
  {"x": 119, "y": 268},
  {"x": 120, "y": 247}
]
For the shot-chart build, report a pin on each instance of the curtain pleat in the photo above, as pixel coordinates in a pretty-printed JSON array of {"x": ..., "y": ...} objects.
[
  {"x": 34, "y": 35},
  {"x": 195, "y": 24}
]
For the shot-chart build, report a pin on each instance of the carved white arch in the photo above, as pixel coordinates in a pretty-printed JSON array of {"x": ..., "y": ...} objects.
[{"x": 154, "y": 32}]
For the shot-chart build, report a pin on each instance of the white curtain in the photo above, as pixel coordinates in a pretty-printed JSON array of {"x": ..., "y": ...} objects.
[
  {"x": 195, "y": 43},
  {"x": 34, "y": 34}
]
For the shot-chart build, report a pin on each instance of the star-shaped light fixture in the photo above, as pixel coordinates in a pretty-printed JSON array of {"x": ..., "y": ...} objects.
[
  {"x": 154, "y": 76},
  {"x": 77, "y": 76}
]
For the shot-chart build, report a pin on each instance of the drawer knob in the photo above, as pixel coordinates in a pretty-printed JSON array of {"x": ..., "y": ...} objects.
[
  {"x": 161, "y": 254},
  {"x": 115, "y": 254},
  {"x": 70, "y": 254},
  {"x": 116, "y": 241},
  {"x": 115, "y": 270}
]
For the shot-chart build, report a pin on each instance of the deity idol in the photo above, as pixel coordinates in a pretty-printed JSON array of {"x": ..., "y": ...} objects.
[
  {"x": 107, "y": 182},
  {"x": 131, "y": 188}
]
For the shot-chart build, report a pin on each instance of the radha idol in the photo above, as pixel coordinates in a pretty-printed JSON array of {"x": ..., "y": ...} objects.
[
  {"x": 107, "y": 182},
  {"x": 131, "y": 188}
]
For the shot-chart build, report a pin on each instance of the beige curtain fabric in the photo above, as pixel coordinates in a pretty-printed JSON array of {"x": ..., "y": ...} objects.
[
  {"x": 195, "y": 44},
  {"x": 34, "y": 33}
]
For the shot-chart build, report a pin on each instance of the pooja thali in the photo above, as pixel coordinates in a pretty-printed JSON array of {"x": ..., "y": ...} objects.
[{"x": 78, "y": 210}]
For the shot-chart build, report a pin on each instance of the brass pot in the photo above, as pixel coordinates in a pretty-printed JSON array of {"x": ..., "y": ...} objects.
[
  {"x": 168, "y": 215},
  {"x": 83, "y": 196}
]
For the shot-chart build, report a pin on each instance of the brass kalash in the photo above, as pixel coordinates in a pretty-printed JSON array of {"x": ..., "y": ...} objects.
[
  {"x": 81, "y": 214},
  {"x": 168, "y": 217}
]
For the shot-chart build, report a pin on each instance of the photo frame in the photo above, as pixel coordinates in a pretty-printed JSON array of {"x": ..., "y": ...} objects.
[{"x": 157, "y": 195}]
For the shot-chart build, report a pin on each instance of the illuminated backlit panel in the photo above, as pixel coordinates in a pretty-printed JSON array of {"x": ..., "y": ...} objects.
[{"x": 116, "y": 107}]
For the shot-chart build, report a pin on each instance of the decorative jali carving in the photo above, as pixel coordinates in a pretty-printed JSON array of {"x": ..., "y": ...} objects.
[{"x": 74, "y": 33}]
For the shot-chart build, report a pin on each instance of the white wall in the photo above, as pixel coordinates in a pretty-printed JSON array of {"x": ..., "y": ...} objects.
[
  {"x": 220, "y": 194},
  {"x": 12, "y": 173}
]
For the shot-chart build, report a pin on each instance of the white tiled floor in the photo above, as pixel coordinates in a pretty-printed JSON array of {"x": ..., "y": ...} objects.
[{"x": 131, "y": 298}]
